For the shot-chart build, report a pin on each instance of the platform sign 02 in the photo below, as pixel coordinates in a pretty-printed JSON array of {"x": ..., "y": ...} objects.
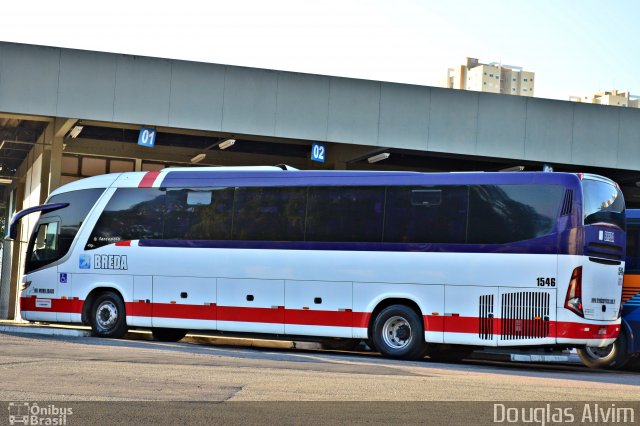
[
  {"x": 318, "y": 152},
  {"x": 147, "y": 137}
]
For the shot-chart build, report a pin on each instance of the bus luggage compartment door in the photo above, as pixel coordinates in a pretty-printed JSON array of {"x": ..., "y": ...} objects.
[
  {"x": 251, "y": 305},
  {"x": 184, "y": 302},
  {"x": 318, "y": 308},
  {"x": 470, "y": 315}
]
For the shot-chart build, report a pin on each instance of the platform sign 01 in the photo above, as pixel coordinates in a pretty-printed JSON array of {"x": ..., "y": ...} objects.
[
  {"x": 318, "y": 152},
  {"x": 147, "y": 137}
]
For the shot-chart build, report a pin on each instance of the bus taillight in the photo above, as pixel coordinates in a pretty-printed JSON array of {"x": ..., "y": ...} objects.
[{"x": 573, "y": 301}]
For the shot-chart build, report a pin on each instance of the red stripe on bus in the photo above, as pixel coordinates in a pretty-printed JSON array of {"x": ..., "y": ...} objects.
[
  {"x": 67, "y": 306},
  {"x": 174, "y": 310},
  {"x": 276, "y": 315},
  {"x": 323, "y": 318},
  {"x": 124, "y": 243},
  {"x": 148, "y": 179},
  {"x": 139, "y": 309},
  {"x": 266, "y": 315},
  {"x": 574, "y": 330}
]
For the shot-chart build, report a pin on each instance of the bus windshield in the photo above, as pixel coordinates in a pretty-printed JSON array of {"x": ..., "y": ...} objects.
[
  {"x": 603, "y": 203},
  {"x": 56, "y": 230}
]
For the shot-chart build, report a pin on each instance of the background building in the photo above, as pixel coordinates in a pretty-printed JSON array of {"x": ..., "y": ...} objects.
[
  {"x": 493, "y": 78},
  {"x": 67, "y": 114},
  {"x": 610, "y": 97}
]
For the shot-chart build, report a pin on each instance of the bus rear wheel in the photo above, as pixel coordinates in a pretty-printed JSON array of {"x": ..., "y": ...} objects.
[
  {"x": 108, "y": 318},
  {"x": 614, "y": 356},
  {"x": 168, "y": 334},
  {"x": 398, "y": 332}
]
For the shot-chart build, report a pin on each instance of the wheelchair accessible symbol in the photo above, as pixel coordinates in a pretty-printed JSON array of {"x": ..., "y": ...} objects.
[{"x": 85, "y": 261}]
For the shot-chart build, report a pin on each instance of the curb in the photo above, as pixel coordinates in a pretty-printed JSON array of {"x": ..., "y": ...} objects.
[
  {"x": 46, "y": 331},
  {"x": 67, "y": 331}
]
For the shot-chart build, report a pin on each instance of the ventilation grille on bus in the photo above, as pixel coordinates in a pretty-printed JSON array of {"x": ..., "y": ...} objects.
[
  {"x": 525, "y": 315},
  {"x": 486, "y": 317},
  {"x": 567, "y": 203}
]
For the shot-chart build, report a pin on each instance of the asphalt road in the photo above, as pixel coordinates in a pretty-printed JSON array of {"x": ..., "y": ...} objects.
[
  {"x": 90, "y": 369},
  {"x": 152, "y": 383}
]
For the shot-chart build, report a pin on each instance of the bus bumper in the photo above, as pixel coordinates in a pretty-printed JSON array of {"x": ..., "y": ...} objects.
[{"x": 598, "y": 334}]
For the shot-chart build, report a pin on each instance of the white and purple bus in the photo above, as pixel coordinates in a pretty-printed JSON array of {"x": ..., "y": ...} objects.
[{"x": 417, "y": 263}]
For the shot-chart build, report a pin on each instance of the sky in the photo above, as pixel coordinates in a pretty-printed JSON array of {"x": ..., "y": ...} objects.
[{"x": 575, "y": 47}]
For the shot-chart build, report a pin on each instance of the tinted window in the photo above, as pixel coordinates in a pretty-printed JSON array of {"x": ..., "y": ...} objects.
[
  {"x": 603, "y": 202},
  {"x": 131, "y": 214},
  {"x": 347, "y": 214},
  {"x": 52, "y": 241},
  {"x": 269, "y": 214},
  {"x": 45, "y": 244},
  {"x": 198, "y": 214},
  {"x": 501, "y": 214},
  {"x": 426, "y": 214}
]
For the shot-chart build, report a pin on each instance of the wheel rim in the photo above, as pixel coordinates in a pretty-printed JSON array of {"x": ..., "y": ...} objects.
[
  {"x": 598, "y": 353},
  {"x": 396, "y": 332},
  {"x": 106, "y": 315}
]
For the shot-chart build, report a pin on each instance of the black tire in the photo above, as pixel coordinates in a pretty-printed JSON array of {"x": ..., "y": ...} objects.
[
  {"x": 614, "y": 356},
  {"x": 370, "y": 345},
  {"x": 108, "y": 316},
  {"x": 168, "y": 334},
  {"x": 398, "y": 332},
  {"x": 448, "y": 353}
]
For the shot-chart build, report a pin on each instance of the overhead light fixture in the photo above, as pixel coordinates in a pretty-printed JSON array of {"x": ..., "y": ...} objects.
[
  {"x": 198, "y": 158},
  {"x": 5, "y": 181},
  {"x": 226, "y": 143},
  {"x": 75, "y": 131},
  {"x": 2, "y": 144},
  {"x": 513, "y": 169},
  {"x": 378, "y": 157}
]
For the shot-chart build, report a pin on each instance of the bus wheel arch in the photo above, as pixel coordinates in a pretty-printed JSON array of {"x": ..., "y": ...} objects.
[
  {"x": 389, "y": 324},
  {"x": 90, "y": 299},
  {"x": 613, "y": 356},
  {"x": 104, "y": 310}
]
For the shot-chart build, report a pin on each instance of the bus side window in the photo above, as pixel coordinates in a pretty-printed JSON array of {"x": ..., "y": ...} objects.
[
  {"x": 269, "y": 214},
  {"x": 131, "y": 214},
  {"x": 500, "y": 214},
  {"x": 198, "y": 214},
  {"x": 345, "y": 214},
  {"x": 426, "y": 215}
]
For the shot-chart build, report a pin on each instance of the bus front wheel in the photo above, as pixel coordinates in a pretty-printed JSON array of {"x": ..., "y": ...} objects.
[
  {"x": 168, "y": 334},
  {"x": 398, "y": 332},
  {"x": 108, "y": 318},
  {"x": 613, "y": 356}
]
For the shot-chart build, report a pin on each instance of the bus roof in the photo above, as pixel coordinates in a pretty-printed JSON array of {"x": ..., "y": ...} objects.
[{"x": 186, "y": 177}]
